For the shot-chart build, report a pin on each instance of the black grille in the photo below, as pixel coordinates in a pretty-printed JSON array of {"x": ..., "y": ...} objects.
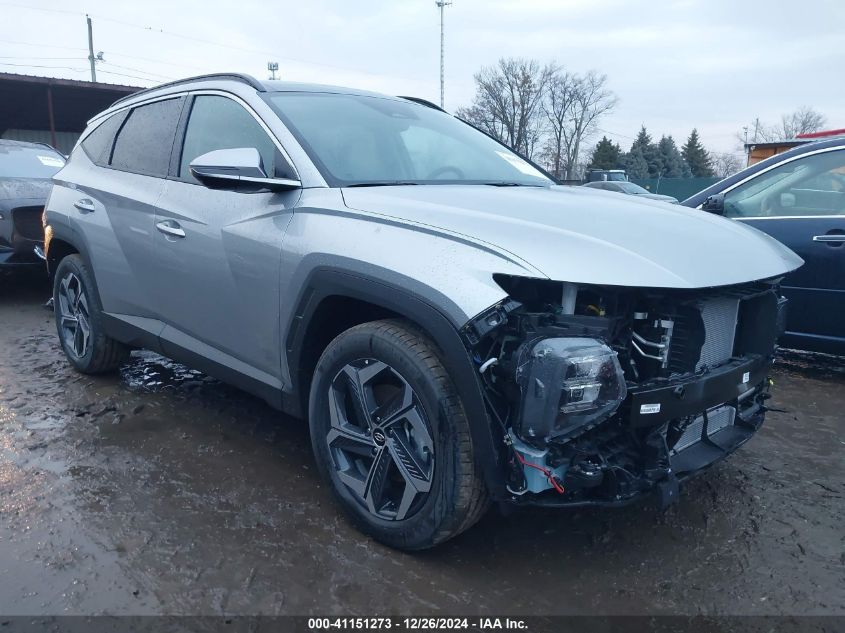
[{"x": 27, "y": 223}]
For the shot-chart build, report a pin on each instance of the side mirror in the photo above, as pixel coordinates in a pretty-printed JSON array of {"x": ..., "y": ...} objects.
[
  {"x": 238, "y": 168},
  {"x": 714, "y": 204}
]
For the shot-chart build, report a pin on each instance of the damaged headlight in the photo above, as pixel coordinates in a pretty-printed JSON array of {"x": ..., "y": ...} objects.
[{"x": 568, "y": 385}]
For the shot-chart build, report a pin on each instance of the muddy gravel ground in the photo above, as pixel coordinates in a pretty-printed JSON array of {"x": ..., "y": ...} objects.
[{"x": 159, "y": 490}]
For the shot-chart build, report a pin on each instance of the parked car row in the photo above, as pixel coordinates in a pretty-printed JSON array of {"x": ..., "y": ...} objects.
[
  {"x": 456, "y": 327},
  {"x": 26, "y": 170},
  {"x": 629, "y": 188},
  {"x": 798, "y": 198}
]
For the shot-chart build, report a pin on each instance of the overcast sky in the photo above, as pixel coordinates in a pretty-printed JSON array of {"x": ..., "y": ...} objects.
[{"x": 675, "y": 65}]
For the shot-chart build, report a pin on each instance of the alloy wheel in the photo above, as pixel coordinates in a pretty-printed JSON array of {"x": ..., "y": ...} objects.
[
  {"x": 380, "y": 440},
  {"x": 74, "y": 317}
]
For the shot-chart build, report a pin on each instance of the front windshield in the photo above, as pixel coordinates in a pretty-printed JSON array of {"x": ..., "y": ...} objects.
[
  {"x": 365, "y": 140},
  {"x": 22, "y": 161},
  {"x": 629, "y": 187}
]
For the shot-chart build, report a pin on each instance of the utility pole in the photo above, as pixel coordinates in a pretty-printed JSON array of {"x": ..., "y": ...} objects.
[
  {"x": 91, "y": 57},
  {"x": 441, "y": 4},
  {"x": 273, "y": 67}
]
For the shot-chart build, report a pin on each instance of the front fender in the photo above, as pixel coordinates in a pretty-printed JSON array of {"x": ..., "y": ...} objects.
[{"x": 333, "y": 282}]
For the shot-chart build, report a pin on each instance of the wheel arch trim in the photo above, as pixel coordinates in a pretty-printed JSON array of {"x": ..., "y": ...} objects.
[
  {"x": 65, "y": 233},
  {"x": 328, "y": 282}
]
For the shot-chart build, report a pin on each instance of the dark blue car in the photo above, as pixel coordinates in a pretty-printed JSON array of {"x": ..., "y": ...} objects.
[
  {"x": 798, "y": 198},
  {"x": 26, "y": 172}
]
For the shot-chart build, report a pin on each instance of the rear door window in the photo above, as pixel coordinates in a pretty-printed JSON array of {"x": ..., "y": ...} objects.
[{"x": 145, "y": 141}]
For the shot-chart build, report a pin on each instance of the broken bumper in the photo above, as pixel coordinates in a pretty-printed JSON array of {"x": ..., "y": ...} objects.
[{"x": 662, "y": 435}]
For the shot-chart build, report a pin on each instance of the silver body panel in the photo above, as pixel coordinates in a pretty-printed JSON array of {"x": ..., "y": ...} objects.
[
  {"x": 228, "y": 287},
  {"x": 585, "y": 236}
]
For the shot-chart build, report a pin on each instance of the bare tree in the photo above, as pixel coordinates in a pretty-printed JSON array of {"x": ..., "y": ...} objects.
[
  {"x": 725, "y": 165},
  {"x": 572, "y": 106},
  {"x": 804, "y": 120},
  {"x": 507, "y": 102},
  {"x": 557, "y": 109}
]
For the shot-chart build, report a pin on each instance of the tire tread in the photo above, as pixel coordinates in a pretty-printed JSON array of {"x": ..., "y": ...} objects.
[
  {"x": 108, "y": 354},
  {"x": 471, "y": 500}
]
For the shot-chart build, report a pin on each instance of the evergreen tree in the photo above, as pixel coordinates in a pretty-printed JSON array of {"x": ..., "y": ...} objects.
[
  {"x": 645, "y": 148},
  {"x": 696, "y": 157},
  {"x": 673, "y": 164},
  {"x": 606, "y": 155},
  {"x": 636, "y": 165}
]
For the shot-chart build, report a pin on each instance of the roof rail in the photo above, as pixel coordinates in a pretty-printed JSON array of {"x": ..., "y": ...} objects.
[
  {"x": 424, "y": 102},
  {"x": 242, "y": 77}
]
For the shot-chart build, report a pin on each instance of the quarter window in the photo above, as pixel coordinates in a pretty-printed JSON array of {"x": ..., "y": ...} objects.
[
  {"x": 813, "y": 185},
  {"x": 221, "y": 123},
  {"x": 98, "y": 144},
  {"x": 145, "y": 141}
]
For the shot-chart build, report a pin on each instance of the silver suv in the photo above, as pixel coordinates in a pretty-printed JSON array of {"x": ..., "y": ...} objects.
[{"x": 457, "y": 329}]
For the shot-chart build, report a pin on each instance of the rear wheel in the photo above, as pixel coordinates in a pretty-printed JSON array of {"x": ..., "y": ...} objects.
[
  {"x": 389, "y": 432},
  {"x": 79, "y": 320}
]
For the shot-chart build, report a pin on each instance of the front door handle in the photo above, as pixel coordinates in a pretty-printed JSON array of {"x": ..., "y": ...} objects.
[
  {"x": 833, "y": 239},
  {"x": 171, "y": 228},
  {"x": 85, "y": 204}
]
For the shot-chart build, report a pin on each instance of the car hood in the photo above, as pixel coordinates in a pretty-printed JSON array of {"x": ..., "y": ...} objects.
[
  {"x": 578, "y": 235},
  {"x": 13, "y": 190},
  {"x": 657, "y": 196}
]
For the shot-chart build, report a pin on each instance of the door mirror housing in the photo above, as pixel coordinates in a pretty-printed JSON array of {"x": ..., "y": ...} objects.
[
  {"x": 237, "y": 168},
  {"x": 714, "y": 204}
]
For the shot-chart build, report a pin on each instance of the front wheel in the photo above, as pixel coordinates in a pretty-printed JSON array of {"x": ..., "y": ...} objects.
[
  {"x": 79, "y": 320},
  {"x": 389, "y": 433}
]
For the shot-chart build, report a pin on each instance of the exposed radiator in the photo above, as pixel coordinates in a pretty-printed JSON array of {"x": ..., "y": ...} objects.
[
  {"x": 717, "y": 419},
  {"x": 719, "y": 315}
]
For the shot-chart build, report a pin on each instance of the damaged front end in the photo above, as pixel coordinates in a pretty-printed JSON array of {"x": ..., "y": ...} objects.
[{"x": 604, "y": 394}]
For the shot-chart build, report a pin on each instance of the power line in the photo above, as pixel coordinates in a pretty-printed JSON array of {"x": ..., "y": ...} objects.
[
  {"x": 43, "y": 45},
  {"x": 109, "y": 72},
  {"x": 199, "y": 40},
  {"x": 603, "y": 131},
  {"x": 155, "y": 61},
  {"x": 109, "y": 52},
  {"x": 79, "y": 70},
  {"x": 40, "y": 58},
  {"x": 44, "y": 9},
  {"x": 138, "y": 70}
]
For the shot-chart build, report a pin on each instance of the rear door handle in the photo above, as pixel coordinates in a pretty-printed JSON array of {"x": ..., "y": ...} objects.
[
  {"x": 85, "y": 204},
  {"x": 830, "y": 238},
  {"x": 170, "y": 227}
]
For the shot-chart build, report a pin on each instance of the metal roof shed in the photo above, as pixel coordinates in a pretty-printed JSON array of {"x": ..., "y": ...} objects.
[{"x": 49, "y": 110}]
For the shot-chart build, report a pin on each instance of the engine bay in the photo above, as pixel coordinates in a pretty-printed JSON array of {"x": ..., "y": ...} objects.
[{"x": 601, "y": 394}]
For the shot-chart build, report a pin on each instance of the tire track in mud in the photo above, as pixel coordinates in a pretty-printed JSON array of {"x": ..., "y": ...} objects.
[{"x": 160, "y": 490}]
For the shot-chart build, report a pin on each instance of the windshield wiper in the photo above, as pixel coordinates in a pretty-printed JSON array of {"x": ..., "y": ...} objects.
[{"x": 382, "y": 183}]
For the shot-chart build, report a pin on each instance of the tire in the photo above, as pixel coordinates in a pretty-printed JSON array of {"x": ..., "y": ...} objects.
[
  {"x": 79, "y": 320},
  {"x": 399, "y": 459}
]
